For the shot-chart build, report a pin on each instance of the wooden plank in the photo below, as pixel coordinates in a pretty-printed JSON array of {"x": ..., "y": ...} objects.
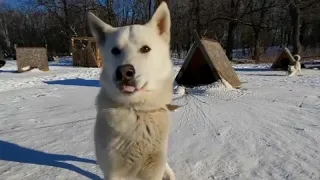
[
  {"x": 221, "y": 62},
  {"x": 33, "y": 57}
]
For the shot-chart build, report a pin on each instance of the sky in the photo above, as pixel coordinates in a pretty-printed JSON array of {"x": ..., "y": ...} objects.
[{"x": 13, "y": 3}]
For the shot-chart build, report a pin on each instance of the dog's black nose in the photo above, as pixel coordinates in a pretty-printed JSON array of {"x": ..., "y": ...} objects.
[{"x": 125, "y": 72}]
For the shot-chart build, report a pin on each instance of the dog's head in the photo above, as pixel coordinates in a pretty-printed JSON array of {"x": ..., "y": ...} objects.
[
  {"x": 137, "y": 63},
  {"x": 291, "y": 68}
]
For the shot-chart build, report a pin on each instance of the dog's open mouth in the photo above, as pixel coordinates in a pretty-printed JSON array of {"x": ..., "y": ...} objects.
[{"x": 129, "y": 88}]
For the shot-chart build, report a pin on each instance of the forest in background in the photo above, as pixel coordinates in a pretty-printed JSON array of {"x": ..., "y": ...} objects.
[{"x": 236, "y": 24}]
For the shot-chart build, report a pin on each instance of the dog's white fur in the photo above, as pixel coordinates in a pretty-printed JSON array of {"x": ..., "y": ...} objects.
[
  {"x": 132, "y": 130},
  {"x": 296, "y": 68}
]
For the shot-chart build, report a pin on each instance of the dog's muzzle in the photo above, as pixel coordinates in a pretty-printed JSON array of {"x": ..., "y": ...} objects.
[
  {"x": 125, "y": 78},
  {"x": 125, "y": 73}
]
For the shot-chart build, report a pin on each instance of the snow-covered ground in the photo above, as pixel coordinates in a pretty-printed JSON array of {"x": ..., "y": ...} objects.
[{"x": 269, "y": 129}]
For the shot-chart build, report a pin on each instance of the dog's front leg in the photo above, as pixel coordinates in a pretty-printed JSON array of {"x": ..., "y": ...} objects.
[
  {"x": 156, "y": 173},
  {"x": 153, "y": 169},
  {"x": 293, "y": 73},
  {"x": 115, "y": 177},
  {"x": 168, "y": 173}
]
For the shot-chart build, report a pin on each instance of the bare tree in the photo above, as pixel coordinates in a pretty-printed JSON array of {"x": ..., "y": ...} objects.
[
  {"x": 236, "y": 24},
  {"x": 295, "y": 9},
  {"x": 259, "y": 22}
]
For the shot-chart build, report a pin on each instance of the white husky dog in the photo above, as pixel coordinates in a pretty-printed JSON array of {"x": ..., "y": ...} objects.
[
  {"x": 133, "y": 105},
  {"x": 296, "y": 68}
]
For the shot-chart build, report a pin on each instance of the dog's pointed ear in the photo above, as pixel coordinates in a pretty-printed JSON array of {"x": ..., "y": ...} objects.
[
  {"x": 98, "y": 28},
  {"x": 162, "y": 21}
]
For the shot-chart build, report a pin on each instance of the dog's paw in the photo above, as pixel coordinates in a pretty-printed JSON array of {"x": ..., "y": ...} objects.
[{"x": 168, "y": 177}]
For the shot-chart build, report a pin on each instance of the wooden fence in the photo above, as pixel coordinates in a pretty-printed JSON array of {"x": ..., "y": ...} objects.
[{"x": 85, "y": 52}]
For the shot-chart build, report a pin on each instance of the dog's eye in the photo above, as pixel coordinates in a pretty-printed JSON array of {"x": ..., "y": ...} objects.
[
  {"x": 115, "y": 51},
  {"x": 145, "y": 49}
]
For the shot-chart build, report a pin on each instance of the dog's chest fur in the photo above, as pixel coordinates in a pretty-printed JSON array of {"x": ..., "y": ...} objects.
[{"x": 131, "y": 138}]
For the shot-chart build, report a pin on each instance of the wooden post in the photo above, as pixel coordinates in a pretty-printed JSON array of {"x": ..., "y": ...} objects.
[
  {"x": 1, "y": 54},
  {"x": 72, "y": 52}
]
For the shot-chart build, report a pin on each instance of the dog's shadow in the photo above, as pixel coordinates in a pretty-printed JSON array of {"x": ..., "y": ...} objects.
[
  {"x": 9, "y": 71},
  {"x": 274, "y": 75},
  {"x": 253, "y": 69},
  {"x": 15, "y": 153}
]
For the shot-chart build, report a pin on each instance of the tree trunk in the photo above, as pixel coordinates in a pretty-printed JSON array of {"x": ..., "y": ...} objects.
[
  {"x": 288, "y": 38},
  {"x": 283, "y": 36},
  {"x": 157, "y": 3},
  {"x": 189, "y": 37},
  {"x": 295, "y": 22},
  {"x": 303, "y": 30},
  {"x": 257, "y": 32},
  {"x": 149, "y": 9},
  {"x": 231, "y": 34},
  {"x": 198, "y": 24},
  {"x": 1, "y": 55},
  {"x": 257, "y": 48},
  {"x": 4, "y": 31}
]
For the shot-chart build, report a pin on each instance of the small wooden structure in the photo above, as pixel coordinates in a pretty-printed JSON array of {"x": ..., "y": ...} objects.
[
  {"x": 283, "y": 60},
  {"x": 85, "y": 52},
  {"x": 32, "y": 57},
  {"x": 205, "y": 63}
]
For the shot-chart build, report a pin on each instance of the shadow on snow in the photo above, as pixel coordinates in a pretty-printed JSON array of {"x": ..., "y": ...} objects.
[
  {"x": 15, "y": 153},
  {"x": 75, "y": 82}
]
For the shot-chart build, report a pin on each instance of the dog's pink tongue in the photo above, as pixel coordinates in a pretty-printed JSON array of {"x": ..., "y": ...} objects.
[{"x": 128, "y": 89}]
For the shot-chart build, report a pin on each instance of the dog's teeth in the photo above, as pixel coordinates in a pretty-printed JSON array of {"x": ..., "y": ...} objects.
[{"x": 129, "y": 88}]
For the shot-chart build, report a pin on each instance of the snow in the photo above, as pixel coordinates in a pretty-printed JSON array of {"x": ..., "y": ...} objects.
[
  {"x": 269, "y": 129},
  {"x": 179, "y": 90}
]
